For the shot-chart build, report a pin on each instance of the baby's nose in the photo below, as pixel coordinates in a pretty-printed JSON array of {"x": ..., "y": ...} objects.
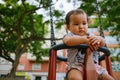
[{"x": 80, "y": 26}]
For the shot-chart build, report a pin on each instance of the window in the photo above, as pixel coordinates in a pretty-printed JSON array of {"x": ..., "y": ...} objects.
[
  {"x": 36, "y": 66},
  {"x": 38, "y": 78},
  {"x": 21, "y": 67},
  {"x": 3, "y": 61}
]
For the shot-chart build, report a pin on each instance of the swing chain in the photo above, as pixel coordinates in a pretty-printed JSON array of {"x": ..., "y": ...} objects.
[
  {"x": 100, "y": 21},
  {"x": 51, "y": 24}
]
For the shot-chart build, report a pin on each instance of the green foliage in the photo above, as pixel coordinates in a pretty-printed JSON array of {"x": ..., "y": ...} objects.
[
  {"x": 89, "y": 7},
  {"x": 59, "y": 24},
  {"x": 19, "y": 26},
  {"x": 58, "y": 18},
  {"x": 57, "y": 13},
  {"x": 22, "y": 29}
]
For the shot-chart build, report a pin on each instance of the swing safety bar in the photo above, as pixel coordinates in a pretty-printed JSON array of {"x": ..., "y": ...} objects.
[{"x": 53, "y": 57}]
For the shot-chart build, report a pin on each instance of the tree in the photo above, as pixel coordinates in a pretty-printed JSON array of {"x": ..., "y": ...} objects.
[{"x": 22, "y": 29}]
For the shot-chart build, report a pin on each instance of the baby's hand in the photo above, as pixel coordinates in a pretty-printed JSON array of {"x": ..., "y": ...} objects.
[{"x": 94, "y": 42}]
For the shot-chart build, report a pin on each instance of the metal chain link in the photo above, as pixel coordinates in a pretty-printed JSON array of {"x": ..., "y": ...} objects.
[
  {"x": 53, "y": 42},
  {"x": 99, "y": 17}
]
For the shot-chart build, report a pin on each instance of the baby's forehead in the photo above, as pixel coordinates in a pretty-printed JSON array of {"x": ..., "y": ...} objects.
[{"x": 78, "y": 16}]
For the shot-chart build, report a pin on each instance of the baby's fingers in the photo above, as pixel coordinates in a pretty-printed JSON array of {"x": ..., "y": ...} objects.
[
  {"x": 94, "y": 41},
  {"x": 94, "y": 47}
]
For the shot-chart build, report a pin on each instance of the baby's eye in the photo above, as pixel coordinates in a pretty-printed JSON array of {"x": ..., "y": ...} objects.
[
  {"x": 84, "y": 23},
  {"x": 76, "y": 24}
]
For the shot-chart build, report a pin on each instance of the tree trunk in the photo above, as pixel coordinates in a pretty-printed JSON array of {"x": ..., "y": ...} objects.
[{"x": 11, "y": 75}]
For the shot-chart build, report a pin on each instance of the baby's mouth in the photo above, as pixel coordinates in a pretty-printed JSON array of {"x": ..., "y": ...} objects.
[{"x": 81, "y": 31}]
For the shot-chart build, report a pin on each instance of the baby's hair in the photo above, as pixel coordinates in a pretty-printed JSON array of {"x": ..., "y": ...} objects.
[{"x": 76, "y": 11}]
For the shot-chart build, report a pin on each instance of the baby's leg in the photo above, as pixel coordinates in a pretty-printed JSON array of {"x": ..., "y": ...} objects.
[
  {"x": 74, "y": 74},
  {"x": 106, "y": 76}
]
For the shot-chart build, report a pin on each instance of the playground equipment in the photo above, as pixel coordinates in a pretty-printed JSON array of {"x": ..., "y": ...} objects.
[{"x": 88, "y": 59}]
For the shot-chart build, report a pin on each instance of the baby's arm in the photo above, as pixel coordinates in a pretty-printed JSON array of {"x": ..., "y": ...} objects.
[
  {"x": 75, "y": 40},
  {"x": 94, "y": 42}
]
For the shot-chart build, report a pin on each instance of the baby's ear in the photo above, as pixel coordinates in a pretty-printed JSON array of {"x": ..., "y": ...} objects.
[
  {"x": 90, "y": 21},
  {"x": 67, "y": 28}
]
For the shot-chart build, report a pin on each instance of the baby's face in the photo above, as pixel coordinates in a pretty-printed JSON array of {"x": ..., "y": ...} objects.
[{"x": 78, "y": 24}]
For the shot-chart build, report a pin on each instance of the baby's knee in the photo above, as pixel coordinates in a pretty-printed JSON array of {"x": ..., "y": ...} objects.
[
  {"x": 75, "y": 75},
  {"x": 106, "y": 77}
]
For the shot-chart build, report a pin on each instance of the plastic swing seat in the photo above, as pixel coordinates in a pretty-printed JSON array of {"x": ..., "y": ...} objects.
[{"x": 88, "y": 61}]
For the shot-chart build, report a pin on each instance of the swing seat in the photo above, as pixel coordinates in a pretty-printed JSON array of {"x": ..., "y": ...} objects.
[{"x": 88, "y": 61}]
